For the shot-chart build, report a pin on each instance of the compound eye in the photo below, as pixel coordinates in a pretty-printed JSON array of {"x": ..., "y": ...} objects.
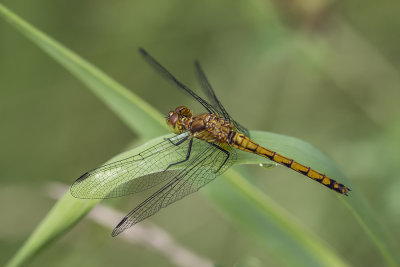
[{"x": 172, "y": 118}]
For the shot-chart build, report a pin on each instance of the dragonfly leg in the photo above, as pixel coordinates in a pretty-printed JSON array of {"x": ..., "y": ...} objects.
[
  {"x": 227, "y": 156},
  {"x": 187, "y": 155},
  {"x": 179, "y": 142}
]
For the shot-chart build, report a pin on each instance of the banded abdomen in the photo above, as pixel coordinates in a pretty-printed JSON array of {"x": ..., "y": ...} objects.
[{"x": 242, "y": 142}]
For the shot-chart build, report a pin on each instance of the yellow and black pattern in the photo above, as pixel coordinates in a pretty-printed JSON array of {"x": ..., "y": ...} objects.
[{"x": 242, "y": 142}]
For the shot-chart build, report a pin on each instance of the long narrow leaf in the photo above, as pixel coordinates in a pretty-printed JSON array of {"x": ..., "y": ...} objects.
[{"x": 146, "y": 121}]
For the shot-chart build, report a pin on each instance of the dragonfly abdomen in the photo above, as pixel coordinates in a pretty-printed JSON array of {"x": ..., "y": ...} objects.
[{"x": 244, "y": 143}]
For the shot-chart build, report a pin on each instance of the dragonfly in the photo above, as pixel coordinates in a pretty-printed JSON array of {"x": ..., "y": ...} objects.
[{"x": 201, "y": 148}]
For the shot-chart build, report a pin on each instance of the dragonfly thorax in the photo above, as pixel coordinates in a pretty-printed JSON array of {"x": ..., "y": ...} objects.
[
  {"x": 211, "y": 128},
  {"x": 208, "y": 126}
]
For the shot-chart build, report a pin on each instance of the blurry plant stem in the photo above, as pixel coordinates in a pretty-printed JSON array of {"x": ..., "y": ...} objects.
[{"x": 148, "y": 235}]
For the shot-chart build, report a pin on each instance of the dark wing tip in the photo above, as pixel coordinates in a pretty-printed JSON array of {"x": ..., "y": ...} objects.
[
  {"x": 74, "y": 192},
  {"x": 142, "y": 51},
  {"x": 115, "y": 232},
  {"x": 119, "y": 229},
  {"x": 82, "y": 177}
]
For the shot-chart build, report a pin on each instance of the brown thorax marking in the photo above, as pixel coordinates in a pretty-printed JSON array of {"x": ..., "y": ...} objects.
[
  {"x": 211, "y": 128},
  {"x": 208, "y": 127}
]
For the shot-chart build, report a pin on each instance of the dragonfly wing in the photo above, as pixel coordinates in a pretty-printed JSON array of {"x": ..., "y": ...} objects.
[
  {"x": 202, "y": 169},
  {"x": 216, "y": 106},
  {"x": 167, "y": 75},
  {"x": 133, "y": 174},
  {"x": 206, "y": 86}
]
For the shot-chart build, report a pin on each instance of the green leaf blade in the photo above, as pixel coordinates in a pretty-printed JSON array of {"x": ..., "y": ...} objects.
[{"x": 135, "y": 112}]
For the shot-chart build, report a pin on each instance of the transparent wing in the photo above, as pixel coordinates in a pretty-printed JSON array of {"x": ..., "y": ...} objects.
[
  {"x": 202, "y": 169},
  {"x": 167, "y": 75},
  {"x": 206, "y": 86},
  {"x": 133, "y": 174},
  {"x": 215, "y": 106}
]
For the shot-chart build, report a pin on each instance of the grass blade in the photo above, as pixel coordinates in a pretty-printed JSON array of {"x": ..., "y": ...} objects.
[{"x": 145, "y": 120}]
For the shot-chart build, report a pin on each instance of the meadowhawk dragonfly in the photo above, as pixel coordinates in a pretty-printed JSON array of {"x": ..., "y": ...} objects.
[{"x": 203, "y": 147}]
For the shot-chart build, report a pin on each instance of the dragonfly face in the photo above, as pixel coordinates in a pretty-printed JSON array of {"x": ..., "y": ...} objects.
[{"x": 179, "y": 119}]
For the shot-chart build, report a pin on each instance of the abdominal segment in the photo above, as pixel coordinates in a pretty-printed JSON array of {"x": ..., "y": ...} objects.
[{"x": 244, "y": 143}]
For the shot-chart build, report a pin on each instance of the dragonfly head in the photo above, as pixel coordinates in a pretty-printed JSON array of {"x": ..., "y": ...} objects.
[{"x": 177, "y": 119}]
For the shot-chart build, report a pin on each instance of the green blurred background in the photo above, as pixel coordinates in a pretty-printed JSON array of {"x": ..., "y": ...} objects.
[{"x": 323, "y": 71}]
